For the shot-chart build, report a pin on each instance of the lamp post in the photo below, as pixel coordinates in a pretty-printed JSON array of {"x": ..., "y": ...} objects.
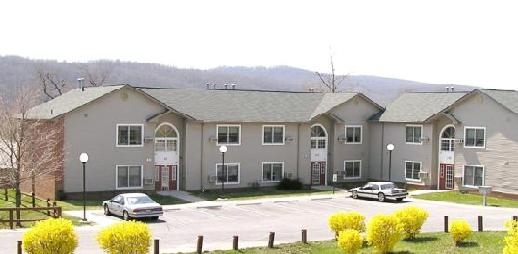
[
  {"x": 84, "y": 159},
  {"x": 223, "y": 150},
  {"x": 390, "y": 148}
]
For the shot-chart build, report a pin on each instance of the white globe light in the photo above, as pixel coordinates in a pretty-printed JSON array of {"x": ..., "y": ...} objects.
[
  {"x": 390, "y": 147},
  {"x": 223, "y": 149},
  {"x": 83, "y": 157}
]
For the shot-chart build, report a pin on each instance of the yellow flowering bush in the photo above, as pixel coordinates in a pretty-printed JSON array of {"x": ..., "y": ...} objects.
[
  {"x": 127, "y": 237},
  {"x": 350, "y": 241},
  {"x": 383, "y": 232},
  {"x": 460, "y": 230},
  {"x": 51, "y": 236},
  {"x": 341, "y": 221},
  {"x": 412, "y": 219},
  {"x": 511, "y": 240}
]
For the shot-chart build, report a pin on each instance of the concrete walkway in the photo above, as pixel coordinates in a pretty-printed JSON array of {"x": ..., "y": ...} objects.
[{"x": 183, "y": 195}]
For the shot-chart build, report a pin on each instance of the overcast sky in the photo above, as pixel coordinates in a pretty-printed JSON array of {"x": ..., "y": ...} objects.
[{"x": 461, "y": 42}]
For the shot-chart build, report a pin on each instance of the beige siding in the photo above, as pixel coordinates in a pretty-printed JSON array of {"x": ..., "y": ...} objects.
[
  {"x": 500, "y": 156},
  {"x": 92, "y": 129}
]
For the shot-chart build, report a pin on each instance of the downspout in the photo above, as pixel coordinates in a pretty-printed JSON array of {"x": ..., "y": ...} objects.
[
  {"x": 381, "y": 149},
  {"x": 201, "y": 158},
  {"x": 298, "y": 149}
]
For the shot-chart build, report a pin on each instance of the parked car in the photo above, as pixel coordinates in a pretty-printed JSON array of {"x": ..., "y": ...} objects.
[
  {"x": 380, "y": 191},
  {"x": 132, "y": 205}
]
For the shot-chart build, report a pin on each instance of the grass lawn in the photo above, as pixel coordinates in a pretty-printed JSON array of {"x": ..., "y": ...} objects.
[
  {"x": 467, "y": 198},
  {"x": 254, "y": 193},
  {"x": 430, "y": 243}
]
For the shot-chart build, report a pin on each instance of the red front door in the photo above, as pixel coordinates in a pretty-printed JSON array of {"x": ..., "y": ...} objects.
[
  {"x": 166, "y": 177},
  {"x": 446, "y": 177},
  {"x": 318, "y": 172}
]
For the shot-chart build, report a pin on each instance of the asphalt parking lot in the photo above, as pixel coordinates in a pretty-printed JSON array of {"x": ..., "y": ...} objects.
[{"x": 179, "y": 228}]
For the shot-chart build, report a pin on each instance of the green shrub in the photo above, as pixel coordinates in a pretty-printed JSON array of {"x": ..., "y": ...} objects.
[
  {"x": 460, "y": 230},
  {"x": 125, "y": 237},
  {"x": 412, "y": 219},
  {"x": 350, "y": 241},
  {"x": 289, "y": 184},
  {"x": 511, "y": 240},
  {"x": 383, "y": 232},
  {"x": 51, "y": 236},
  {"x": 341, "y": 221}
]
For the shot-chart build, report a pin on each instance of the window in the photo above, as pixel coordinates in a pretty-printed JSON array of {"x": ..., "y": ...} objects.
[
  {"x": 129, "y": 177},
  {"x": 413, "y": 134},
  {"x": 353, "y": 134},
  {"x": 130, "y": 134},
  {"x": 473, "y": 175},
  {"x": 352, "y": 169},
  {"x": 229, "y": 134},
  {"x": 273, "y": 171},
  {"x": 474, "y": 137},
  {"x": 273, "y": 134},
  {"x": 412, "y": 169},
  {"x": 229, "y": 174},
  {"x": 318, "y": 137}
]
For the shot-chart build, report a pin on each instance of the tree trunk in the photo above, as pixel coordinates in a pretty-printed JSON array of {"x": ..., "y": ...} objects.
[
  {"x": 6, "y": 196},
  {"x": 18, "y": 198}
]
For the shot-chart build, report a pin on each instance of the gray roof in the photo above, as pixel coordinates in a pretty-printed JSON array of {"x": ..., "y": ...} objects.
[
  {"x": 248, "y": 105},
  {"x": 507, "y": 98},
  {"x": 69, "y": 101},
  {"x": 418, "y": 107}
]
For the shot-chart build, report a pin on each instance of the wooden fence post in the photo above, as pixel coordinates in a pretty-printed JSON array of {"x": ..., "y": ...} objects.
[
  {"x": 446, "y": 224},
  {"x": 11, "y": 226},
  {"x": 156, "y": 246},
  {"x": 6, "y": 197},
  {"x": 480, "y": 224},
  {"x": 19, "y": 247},
  {"x": 271, "y": 238},
  {"x": 54, "y": 210},
  {"x": 48, "y": 205},
  {"x": 235, "y": 242},
  {"x": 199, "y": 246},
  {"x": 304, "y": 236},
  {"x": 33, "y": 199}
]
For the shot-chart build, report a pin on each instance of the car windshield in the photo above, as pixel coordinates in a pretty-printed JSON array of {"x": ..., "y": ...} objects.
[
  {"x": 387, "y": 186},
  {"x": 139, "y": 200}
]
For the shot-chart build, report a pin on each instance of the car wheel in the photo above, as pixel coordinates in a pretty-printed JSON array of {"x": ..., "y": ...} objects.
[
  {"x": 125, "y": 215},
  {"x": 399, "y": 199},
  {"x": 355, "y": 194},
  {"x": 381, "y": 197},
  {"x": 107, "y": 210},
  {"x": 154, "y": 218}
]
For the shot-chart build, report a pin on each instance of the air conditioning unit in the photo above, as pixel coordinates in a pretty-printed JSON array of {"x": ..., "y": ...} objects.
[
  {"x": 424, "y": 139},
  {"x": 289, "y": 139},
  {"x": 148, "y": 139},
  {"x": 212, "y": 179},
  {"x": 342, "y": 139},
  {"x": 423, "y": 175},
  {"x": 213, "y": 139},
  {"x": 148, "y": 181},
  {"x": 459, "y": 140}
]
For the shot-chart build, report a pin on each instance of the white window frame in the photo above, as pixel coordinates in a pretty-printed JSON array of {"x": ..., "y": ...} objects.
[
  {"x": 129, "y": 188},
  {"x": 420, "y": 138},
  {"x": 483, "y": 175},
  {"x": 129, "y": 125},
  {"x": 420, "y": 170},
  {"x": 238, "y": 173},
  {"x": 354, "y": 177},
  {"x": 361, "y": 134},
  {"x": 476, "y": 128},
  {"x": 271, "y": 162},
  {"x": 227, "y": 144},
  {"x": 273, "y": 143}
]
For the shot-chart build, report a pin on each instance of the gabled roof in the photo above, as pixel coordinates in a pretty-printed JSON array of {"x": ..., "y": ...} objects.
[
  {"x": 507, "y": 98},
  {"x": 69, "y": 101},
  {"x": 419, "y": 107},
  {"x": 248, "y": 105}
]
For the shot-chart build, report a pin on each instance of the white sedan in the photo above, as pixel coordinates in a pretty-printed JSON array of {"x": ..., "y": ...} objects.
[
  {"x": 380, "y": 191},
  {"x": 133, "y": 205}
]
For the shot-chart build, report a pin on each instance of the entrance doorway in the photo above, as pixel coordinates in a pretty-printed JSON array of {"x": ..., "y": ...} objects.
[
  {"x": 446, "y": 158},
  {"x": 319, "y": 144},
  {"x": 166, "y": 157},
  {"x": 167, "y": 177}
]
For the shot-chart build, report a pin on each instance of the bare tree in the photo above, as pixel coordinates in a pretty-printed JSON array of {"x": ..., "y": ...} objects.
[
  {"x": 29, "y": 147},
  {"x": 97, "y": 72},
  {"x": 330, "y": 81},
  {"x": 51, "y": 85}
]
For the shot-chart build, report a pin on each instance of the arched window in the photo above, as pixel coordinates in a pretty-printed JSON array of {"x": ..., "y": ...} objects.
[
  {"x": 166, "y": 138},
  {"x": 166, "y": 131},
  {"x": 448, "y": 139},
  {"x": 318, "y": 137},
  {"x": 448, "y": 133},
  {"x": 317, "y": 131}
]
